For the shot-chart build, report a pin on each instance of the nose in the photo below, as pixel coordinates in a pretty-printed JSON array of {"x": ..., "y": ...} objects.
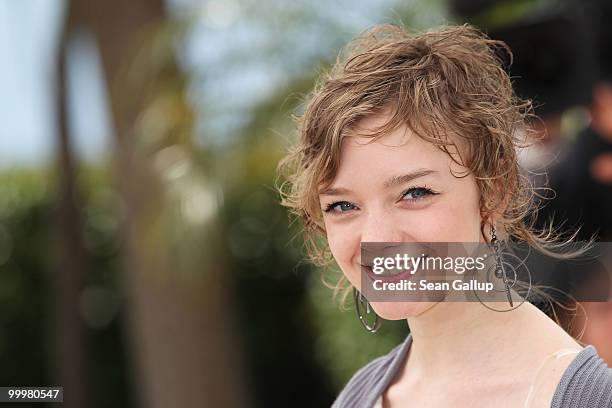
[
  {"x": 383, "y": 233},
  {"x": 384, "y": 226}
]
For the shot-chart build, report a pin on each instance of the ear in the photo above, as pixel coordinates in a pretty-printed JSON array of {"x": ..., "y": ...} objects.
[{"x": 498, "y": 199}]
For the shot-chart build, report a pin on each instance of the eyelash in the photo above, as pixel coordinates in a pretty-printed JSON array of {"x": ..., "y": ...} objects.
[{"x": 428, "y": 193}]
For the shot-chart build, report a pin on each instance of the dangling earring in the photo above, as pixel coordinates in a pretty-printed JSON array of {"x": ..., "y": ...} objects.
[
  {"x": 361, "y": 303},
  {"x": 500, "y": 270}
]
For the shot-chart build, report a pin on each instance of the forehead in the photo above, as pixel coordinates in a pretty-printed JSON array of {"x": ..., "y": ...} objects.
[{"x": 401, "y": 150}]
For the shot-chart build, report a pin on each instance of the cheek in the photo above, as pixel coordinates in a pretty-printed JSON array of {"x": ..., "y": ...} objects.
[
  {"x": 464, "y": 214},
  {"x": 454, "y": 219},
  {"x": 344, "y": 245},
  {"x": 338, "y": 243}
]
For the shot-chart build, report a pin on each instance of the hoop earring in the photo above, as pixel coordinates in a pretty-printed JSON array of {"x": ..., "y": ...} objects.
[
  {"x": 505, "y": 266},
  {"x": 360, "y": 304},
  {"x": 500, "y": 270}
]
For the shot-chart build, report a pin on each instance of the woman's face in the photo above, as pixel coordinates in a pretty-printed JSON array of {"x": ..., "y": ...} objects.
[{"x": 398, "y": 188}]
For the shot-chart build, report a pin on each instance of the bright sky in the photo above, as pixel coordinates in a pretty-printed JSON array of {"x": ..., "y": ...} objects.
[
  {"x": 27, "y": 37},
  {"x": 28, "y": 42},
  {"x": 237, "y": 54}
]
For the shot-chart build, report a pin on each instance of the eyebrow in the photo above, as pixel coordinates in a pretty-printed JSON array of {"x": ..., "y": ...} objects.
[{"x": 391, "y": 182}]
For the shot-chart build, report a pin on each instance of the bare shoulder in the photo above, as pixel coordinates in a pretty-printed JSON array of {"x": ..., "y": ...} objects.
[
  {"x": 548, "y": 376},
  {"x": 570, "y": 379}
]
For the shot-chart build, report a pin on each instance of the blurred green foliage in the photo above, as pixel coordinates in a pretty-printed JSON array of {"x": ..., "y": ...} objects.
[
  {"x": 24, "y": 300},
  {"x": 27, "y": 252}
]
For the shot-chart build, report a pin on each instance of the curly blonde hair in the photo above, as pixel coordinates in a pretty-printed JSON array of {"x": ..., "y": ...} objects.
[{"x": 441, "y": 83}]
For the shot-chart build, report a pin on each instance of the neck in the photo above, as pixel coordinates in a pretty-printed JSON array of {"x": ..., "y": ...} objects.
[{"x": 448, "y": 335}]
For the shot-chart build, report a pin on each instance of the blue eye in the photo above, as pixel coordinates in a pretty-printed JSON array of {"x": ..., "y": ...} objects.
[
  {"x": 417, "y": 193},
  {"x": 339, "y": 207},
  {"x": 412, "y": 195}
]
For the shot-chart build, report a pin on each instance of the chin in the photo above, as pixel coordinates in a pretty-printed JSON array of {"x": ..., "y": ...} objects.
[{"x": 400, "y": 310}]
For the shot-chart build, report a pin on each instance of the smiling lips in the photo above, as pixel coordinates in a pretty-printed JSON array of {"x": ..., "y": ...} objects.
[{"x": 387, "y": 276}]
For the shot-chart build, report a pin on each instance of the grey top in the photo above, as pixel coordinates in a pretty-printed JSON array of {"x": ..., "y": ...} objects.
[{"x": 586, "y": 383}]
